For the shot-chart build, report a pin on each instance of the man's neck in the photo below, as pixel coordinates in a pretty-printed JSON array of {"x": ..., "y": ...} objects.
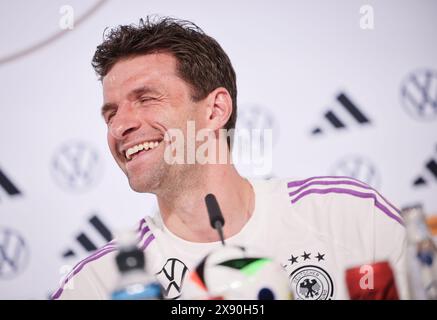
[{"x": 184, "y": 211}]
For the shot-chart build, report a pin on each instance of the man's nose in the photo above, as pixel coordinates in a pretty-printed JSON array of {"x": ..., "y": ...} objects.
[{"x": 123, "y": 123}]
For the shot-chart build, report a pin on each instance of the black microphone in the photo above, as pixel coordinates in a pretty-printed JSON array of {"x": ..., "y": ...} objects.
[{"x": 215, "y": 215}]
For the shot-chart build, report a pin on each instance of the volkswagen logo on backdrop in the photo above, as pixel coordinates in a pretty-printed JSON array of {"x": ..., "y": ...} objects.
[
  {"x": 256, "y": 133},
  {"x": 76, "y": 166},
  {"x": 359, "y": 168},
  {"x": 256, "y": 117},
  {"x": 14, "y": 253},
  {"x": 419, "y": 94}
]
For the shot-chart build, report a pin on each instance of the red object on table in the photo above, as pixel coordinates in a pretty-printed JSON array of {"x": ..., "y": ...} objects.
[{"x": 372, "y": 282}]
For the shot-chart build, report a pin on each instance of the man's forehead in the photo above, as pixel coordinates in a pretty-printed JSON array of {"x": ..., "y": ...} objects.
[{"x": 144, "y": 67}]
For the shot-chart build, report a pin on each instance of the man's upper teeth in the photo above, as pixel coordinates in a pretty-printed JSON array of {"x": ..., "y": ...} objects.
[{"x": 141, "y": 146}]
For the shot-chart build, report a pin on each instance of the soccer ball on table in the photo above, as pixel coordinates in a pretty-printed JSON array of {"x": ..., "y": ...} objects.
[{"x": 229, "y": 273}]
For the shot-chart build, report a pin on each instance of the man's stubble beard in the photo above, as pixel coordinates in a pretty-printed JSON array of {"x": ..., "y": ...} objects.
[
  {"x": 150, "y": 182},
  {"x": 168, "y": 179}
]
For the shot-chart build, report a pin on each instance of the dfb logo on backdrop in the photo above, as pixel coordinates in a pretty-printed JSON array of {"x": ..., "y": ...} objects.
[
  {"x": 256, "y": 117},
  {"x": 429, "y": 173},
  {"x": 341, "y": 118},
  {"x": 359, "y": 168},
  {"x": 14, "y": 253},
  {"x": 419, "y": 94},
  {"x": 76, "y": 166}
]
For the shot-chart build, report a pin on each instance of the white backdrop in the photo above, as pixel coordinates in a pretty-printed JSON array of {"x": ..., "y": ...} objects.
[{"x": 59, "y": 185}]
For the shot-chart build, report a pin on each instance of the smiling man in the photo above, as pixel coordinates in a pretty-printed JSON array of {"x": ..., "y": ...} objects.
[{"x": 164, "y": 73}]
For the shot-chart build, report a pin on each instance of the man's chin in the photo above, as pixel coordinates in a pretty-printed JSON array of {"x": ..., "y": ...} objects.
[
  {"x": 137, "y": 187},
  {"x": 141, "y": 186}
]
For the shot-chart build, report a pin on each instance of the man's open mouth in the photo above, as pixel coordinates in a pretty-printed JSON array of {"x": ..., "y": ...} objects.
[{"x": 140, "y": 148}]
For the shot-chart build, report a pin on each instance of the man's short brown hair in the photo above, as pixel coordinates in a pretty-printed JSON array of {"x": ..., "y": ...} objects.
[{"x": 201, "y": 61}]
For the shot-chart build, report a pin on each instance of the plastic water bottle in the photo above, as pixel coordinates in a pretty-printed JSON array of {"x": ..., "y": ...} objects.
[
  {"x": 134, "y": 282},
  {"x": 421, "y": 255}
]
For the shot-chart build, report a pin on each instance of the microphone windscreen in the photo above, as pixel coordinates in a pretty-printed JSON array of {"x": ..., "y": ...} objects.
[{"x": 214, "y": 212}]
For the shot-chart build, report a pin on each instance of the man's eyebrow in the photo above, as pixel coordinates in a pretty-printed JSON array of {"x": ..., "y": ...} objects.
[
  {"x": 135, "y": 93},
  {"x": 108, "y": 106}
]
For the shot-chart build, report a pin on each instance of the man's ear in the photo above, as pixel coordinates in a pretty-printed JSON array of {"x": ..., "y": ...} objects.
[{"x": 219, "y": 108}]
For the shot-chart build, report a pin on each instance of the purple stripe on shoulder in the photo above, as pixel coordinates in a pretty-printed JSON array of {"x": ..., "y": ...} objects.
[
  {"x": 351, "y": 183},
  {"x": 379, "y": 205},
  {"x": 79, "y": 267},
  {"x": 301, "y": 182},
  {"x": 327, "y": 182},
  {"x": 142, "y": 221},
  {"x": 109, "y": 245},
  {"x": 355, "y": 182},
  {"x": 146, "y": 243},
  {"x": 143, "y": 232}
]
